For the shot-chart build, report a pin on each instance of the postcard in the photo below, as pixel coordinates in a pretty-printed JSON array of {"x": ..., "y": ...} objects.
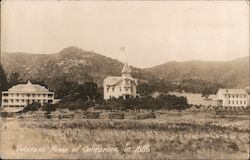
[{"x": 124, "y": 79}]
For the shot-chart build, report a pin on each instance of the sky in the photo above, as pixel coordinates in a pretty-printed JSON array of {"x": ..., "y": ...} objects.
[{"x": 144, "y": 33}]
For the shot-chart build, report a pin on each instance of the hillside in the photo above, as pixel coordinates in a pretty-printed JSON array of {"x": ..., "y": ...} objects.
[
  {"x": 78, "y": 65},
  {"x": 73, "y": 63},
  {"x": 231, "y": 74}
]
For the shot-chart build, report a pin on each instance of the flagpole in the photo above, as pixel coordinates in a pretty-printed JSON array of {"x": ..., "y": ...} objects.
[{"x": 123, "y": 49}]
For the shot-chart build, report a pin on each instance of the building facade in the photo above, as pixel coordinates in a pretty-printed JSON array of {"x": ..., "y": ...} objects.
[
  {"x": 232, "y": 98},
  {"x": 124, "y": 86},
  {"x": 23, "y": 94}
]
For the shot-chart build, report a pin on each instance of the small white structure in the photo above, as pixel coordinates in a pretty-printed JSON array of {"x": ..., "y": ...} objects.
[
  {"x": 232, "y": 98},
  {"x": 124, "y": 86},
  {"x": 23, "y": 94}
]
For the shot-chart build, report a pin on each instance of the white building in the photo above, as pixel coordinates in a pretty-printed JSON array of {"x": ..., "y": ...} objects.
[
  {"x": 23, "y": 94},
  {"x": 232, "y": 98},
  {"x": 124, "y": 86}
]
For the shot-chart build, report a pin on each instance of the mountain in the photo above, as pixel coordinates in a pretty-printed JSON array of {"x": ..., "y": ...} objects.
[
  {"x": 78, "y": 65},
  {"x": 75, "y": 64},
  {"x": 231, "y": 73}
]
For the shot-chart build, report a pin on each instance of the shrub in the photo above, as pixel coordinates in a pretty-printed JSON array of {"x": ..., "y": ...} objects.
[
  {"x": 34, "y": 106},
  {"x": 49, "y": 107}
]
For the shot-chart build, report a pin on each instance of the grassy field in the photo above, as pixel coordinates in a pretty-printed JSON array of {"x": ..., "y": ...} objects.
[{"x": 169, "y": 136}]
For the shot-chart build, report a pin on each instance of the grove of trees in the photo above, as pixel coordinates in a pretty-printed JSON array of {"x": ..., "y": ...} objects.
[{"x": 167, "y": 102}]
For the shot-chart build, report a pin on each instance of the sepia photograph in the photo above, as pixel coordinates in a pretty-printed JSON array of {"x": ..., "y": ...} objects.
[{"x": 124, "y": 79}]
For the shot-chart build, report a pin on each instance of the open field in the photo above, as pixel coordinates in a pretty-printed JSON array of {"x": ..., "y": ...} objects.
[{"x": 169, "y": 136}]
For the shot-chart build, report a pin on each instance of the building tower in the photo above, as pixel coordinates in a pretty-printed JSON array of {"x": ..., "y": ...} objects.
[{"x": 126, "y": 71}]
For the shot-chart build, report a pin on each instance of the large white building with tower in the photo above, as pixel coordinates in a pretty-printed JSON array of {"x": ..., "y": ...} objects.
[{"x": 124, "y": 86}]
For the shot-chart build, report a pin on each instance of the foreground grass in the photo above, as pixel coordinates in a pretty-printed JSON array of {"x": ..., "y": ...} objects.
[{"x": 169, "y": 137}]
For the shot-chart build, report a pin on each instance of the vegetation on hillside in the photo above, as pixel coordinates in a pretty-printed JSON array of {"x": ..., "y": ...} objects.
[
  {"x": 231, "y": 73},
  {"x": 80, "y": 66},
  {"x": 76, "y": 64},
  {"x": 199, "y": 86}
]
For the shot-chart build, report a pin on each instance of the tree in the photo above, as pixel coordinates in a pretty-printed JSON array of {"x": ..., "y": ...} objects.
[
  {"x": 113, "y": 104},
  {"x": 168, "y": 102},
  {"x": 89, "y": 90},
  {"x": 3, "y": 82},
  {"x": 14, "y": 79},
  {"x": 76, "y": 104},
  {"x": 86, "y": 95},
  {"x": 48, "y": 107},
  {"x": 71, "y": 91},
  {"x": 32, "y": 107},
  {"x": 40, "y": 82}
]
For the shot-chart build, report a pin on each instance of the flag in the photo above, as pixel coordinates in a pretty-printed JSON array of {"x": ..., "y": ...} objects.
[{"x": 122, "y": 48}]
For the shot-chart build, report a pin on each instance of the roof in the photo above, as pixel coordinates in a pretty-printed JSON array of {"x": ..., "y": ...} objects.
[
  {"x": 232, "y": 91},
  {"x": 113, "y": 80},
  {"x": 29, "y": 87},
  {"x": 126, "y": 68}
]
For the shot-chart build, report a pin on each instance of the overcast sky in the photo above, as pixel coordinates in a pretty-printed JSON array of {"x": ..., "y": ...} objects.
[{"x": 151, "y": 32}]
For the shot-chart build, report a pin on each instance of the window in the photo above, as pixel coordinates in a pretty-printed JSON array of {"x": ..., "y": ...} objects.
[
  {"x": 240, "y": 102},
  {"x": 50, "y": 95},
  {"x": 245, "y": 102},
  {"x": 245, "y": 96},
  {"x": 120, "y": 88},
  {"x": 49, "y": 101},
  {"x": 27, "y": 95},
  {"x": 126, "y": 89},
  {"x": 237, "y": 96},
  {"x": 17, "y": 100},
  {"x": 5, "y": 100},
  {"x": 22, "y": 100},
  {"x": 232, "y": 102},
  {"x": 17, "y": 94},
  {"x": 229, "y": 95},
  {"x": 228, "y": 102},
  {"x": 236, "y": 102},
  {"x": 5, "y": 94},
  {"x": 233, "y": 96},
  {"x": 44, "y": 95},
  {"x": 113, "y": 88},
  {"x": 126, "y": 81},
  {"x": 107, "y": 89},
  {"x": 38, "y": 95}
]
